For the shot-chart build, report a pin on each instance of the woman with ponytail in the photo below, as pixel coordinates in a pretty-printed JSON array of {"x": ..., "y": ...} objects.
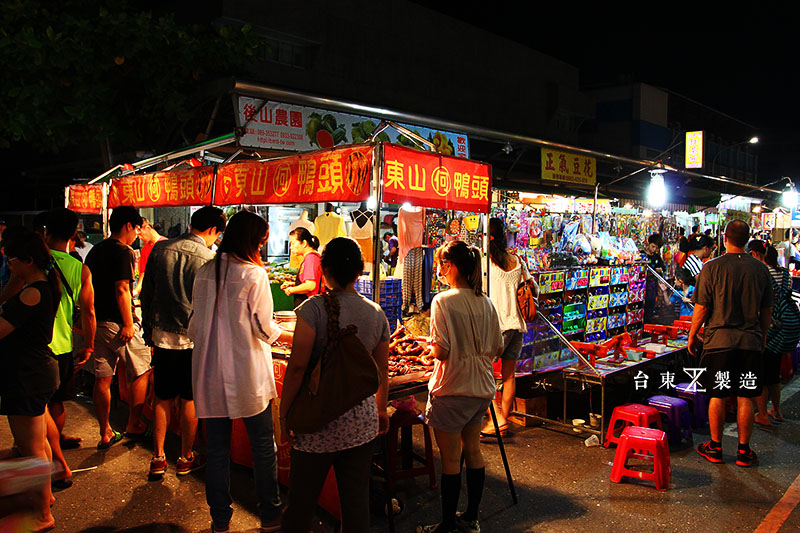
[
  {"x": 29, "y": 374},
  {"x": 506, "y": 273},
  {"x": 309, "y": 278},
  {"x": 466, "y": 337}
]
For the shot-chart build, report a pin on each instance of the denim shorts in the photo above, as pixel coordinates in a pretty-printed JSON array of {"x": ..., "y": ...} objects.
[
  {"x": 512, "y": 345},
  {"x": 452, "y": 414}
]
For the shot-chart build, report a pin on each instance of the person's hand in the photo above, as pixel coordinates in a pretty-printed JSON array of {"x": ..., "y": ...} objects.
[
  {"x": 287, "y": 290},
  {"x": 285, "y": 284},
  {"x": 83, "y": 357},
  {"x": 383, "y": 423},
  {"x": 687, "y": 300},
  {"x": 692, "y": 345},
  {"x": 126, "y": 333},
  {"x": 286, "y": 432}
]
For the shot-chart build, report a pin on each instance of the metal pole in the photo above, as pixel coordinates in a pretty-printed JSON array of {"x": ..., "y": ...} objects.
[
  {"x": 567, "y": 343},
  {"x": 377, "y": 182},
  {"x": 665, "y": 282},
  {"x": 594, "y": 209}
]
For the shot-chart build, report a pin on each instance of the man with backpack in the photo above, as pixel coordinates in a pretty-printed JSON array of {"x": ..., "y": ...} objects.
[{"x": 733, "y": 302}]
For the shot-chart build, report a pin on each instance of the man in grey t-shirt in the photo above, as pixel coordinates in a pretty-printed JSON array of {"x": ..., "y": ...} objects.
[{"x": 733, "y": 302}]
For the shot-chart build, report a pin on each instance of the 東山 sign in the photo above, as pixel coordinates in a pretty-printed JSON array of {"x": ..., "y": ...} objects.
[
  {"x": 427, "y": 179},
  {"x": 280, "y": 126},
  {"x": 86, "y": 199},
  {"x": 694, "y": 149},
  {"x": 160, "y": 189},
  {"x": 340, "y": 175},
  {"x": 568, "y": 168}
]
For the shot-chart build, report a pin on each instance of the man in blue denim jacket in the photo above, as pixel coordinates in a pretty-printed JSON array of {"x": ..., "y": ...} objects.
[{"x": 166, "y": 307}]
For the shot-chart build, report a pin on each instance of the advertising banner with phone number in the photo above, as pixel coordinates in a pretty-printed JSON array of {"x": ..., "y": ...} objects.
[
  {"x": 428, "y": 179},
  {"x": 338, "y": 175}
]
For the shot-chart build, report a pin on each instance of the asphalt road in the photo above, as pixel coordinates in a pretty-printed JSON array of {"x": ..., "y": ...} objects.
[{"x": 561, "y": 484}]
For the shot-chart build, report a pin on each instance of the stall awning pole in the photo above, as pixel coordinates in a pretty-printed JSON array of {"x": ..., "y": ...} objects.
[{"x": 377, "y": 187}]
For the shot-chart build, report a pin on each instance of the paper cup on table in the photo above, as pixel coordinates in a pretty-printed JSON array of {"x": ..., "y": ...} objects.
[
  {"x": 578, "y": 423},
  {"x": 594, "y": 420}
]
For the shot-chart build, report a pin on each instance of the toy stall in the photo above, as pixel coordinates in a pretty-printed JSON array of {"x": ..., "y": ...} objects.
[{"x": 588, "y": 258}]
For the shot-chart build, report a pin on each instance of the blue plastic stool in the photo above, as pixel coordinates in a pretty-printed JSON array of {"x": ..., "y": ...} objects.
[
  {"x": 676, "y": 411},
  {"x": 698, "y": 404}
]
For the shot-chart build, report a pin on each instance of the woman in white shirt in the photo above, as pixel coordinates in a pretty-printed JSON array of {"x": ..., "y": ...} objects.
[
  {"x": 232, "y": 372},
  {"x": 466, "y": 337},
  {"x": 506, "y": 273}
]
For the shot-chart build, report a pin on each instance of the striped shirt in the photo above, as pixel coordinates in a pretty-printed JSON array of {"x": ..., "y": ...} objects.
[{"x": 694, "y": 265}]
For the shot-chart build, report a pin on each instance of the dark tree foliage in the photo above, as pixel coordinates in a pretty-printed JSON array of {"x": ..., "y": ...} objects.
[{"x": 76, "y": 71}]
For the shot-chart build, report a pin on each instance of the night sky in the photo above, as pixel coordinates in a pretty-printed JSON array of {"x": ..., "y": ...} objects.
[{"x": 740, "y": 62}]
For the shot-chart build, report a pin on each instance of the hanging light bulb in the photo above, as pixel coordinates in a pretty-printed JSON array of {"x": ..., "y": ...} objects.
[
  {"x": 789, "y": 196},
  {"x": 372, "y": 202},
  {"x": 657, "y": 193}
]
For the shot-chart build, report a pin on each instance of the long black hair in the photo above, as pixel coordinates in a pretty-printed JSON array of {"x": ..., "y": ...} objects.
[
  {"x": 467, "y": 260},
  {"x": 498, "y": 252},
  {"x": 342, "y": 260},
  {"x": 244, "y": 236},
  {"x": 25, "y": 245}
]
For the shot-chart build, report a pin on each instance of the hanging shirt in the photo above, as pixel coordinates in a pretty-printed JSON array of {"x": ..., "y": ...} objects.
[
  {"x": 363, "y": 234},
  {"x": 328, "y": 227},
  {"x": 232, "y": 375},
  {"x": 410, "y": 226},
  {"x": 302, "y": 222}
]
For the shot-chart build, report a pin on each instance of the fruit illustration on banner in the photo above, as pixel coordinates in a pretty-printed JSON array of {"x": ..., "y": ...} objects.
[
  {"x": 362, "y": 130},
  {"x": 442, "y": 143},
  {"x": 324, "y": 130}
]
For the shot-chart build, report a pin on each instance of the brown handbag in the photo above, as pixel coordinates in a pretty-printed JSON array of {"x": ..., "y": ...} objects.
[
  {"x": 527, "y": 293},
  {"x": 344, "y": 376}
]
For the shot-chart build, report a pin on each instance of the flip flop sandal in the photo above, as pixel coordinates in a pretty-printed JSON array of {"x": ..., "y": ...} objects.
[
  {"x": 106, "y": 445},
  {"x": 142, "y": 435},
  {"x": 491, "y": 433}
]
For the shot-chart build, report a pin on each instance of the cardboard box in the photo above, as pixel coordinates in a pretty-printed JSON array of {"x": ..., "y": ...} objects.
[{"x": 532, "y": 406}]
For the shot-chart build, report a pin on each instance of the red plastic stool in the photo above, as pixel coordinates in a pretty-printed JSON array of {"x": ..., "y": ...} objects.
[
  {"x": 401, "y": 425},
  {"x": 643, "y": 443},
  {"x": 631, "y": 414}
]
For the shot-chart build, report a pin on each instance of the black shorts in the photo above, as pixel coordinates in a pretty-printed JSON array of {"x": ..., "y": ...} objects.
[
  {"x": 66, "y": 378},
  {"x": 172, "y": 373},
  {"x": 772, "y": 368},
  {"x": 24, "y": 405},
  {"x": 741, "y": 370}
]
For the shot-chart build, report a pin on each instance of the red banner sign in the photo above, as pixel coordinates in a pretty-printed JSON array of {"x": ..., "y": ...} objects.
[
  {"x": 427, "y": 179},
  {"x": 190, "y": 186},
  {"x": 339, "y": 175},
  {"x": 86, "y": 199}
]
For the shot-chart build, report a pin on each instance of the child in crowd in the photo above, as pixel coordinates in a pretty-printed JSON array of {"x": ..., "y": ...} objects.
[{"x": 684, "y": 282}]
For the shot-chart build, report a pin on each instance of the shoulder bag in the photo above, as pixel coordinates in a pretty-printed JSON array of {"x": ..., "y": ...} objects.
[
  {"x": 344, "y": 376},
  {"x": 527, "y": 293}
]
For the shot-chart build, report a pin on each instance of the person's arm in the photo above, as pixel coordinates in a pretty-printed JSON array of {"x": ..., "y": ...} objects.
[
  {"x": 304, "y": 336},
  {"x": 765, "y": 317},
  {"x": 259, "y": 301},
  {"x": 122, "y": 293},
  {"x": 381, "y": 356},
  {"x": 88, "y": 318},
  {"x": 439, "y": 334},
  {"x": 698, "y": 319},
  {"x": 304, "y": 288}
]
